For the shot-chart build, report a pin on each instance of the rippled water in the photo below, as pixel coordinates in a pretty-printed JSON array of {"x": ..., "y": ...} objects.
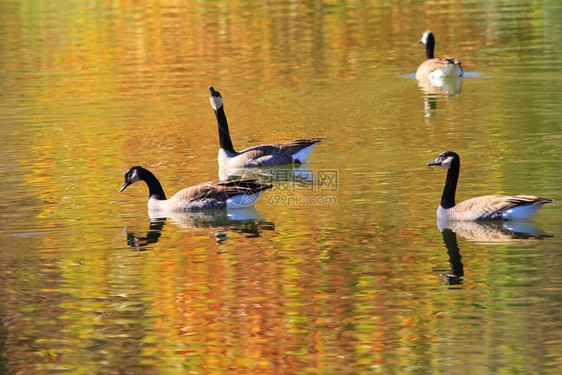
[{"x": 346, "y": 273}]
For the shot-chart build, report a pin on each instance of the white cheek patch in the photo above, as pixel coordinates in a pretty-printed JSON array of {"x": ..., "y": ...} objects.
[
  {"x": 447, "y": 162},
  {"x": 216, "y": 102},
  {"x": 424, "y": 38},
  {"x": 135, "y": 177}
]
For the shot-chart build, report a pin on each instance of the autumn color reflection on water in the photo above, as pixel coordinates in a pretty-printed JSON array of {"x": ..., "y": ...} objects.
[{"x": 349, "y": 287}]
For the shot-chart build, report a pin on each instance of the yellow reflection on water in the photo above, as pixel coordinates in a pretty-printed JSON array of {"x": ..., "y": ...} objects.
[{"x": 93, "y": 89}]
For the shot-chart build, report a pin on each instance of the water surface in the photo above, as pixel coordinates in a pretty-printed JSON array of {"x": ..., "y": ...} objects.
[{"x": 351, "y": 275}]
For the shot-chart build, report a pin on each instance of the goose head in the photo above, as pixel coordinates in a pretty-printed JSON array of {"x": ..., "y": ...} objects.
[
  {"x": 445, "y": 159},
  {"x": 427, "y": 37},
  {"x": 215, "y": 99},
  {"x": 133, "y": 175}
]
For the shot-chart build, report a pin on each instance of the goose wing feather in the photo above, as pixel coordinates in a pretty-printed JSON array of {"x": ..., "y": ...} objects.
[
  {"x": 491, "y": 207},
  {"x": 274, "y": 159},
  {"x": 273, "y": 154},
  {"x": 292, "y": 147},
  {"x": 214, "y": 194},
  {"x": 263, "y": 156}
]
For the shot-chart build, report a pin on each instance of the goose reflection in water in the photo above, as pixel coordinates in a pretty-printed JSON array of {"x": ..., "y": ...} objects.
[
  {"x": 245, "y": 221},
  {"x": 433, "y": 89},
  {"x": 442, "y": 86},
  {"x": 494, "y": 231},
  {"x": 482, "y": 232},
  {"x": 152, "y": 236},
  {"x": 454, "y": 277}
]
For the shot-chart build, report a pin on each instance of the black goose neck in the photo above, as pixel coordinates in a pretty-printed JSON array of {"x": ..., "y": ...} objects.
[
  {"x": 224, "y": 134},
  {"x": 430, "y": 47},
  {"x": 449, "y": 191},
  {"x": 155, "y": 189}
]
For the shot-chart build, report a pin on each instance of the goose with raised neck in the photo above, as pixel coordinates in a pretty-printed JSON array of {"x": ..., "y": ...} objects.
[{"x": 266, "y": 155}]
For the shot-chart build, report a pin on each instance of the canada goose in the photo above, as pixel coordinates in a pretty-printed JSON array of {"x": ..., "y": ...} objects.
[
  {"x": 268, "y": 155},
  {"x": 208, "y": 195},
  {"x": 433, "y": 69},
  {"x": 488, "y": 207}
]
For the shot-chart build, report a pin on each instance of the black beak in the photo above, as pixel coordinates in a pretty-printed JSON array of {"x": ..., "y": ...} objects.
[
  {"x": 421, "y": 40},
  {"x": 435, "y": 162},
  {"x": 125, "y": 184}
]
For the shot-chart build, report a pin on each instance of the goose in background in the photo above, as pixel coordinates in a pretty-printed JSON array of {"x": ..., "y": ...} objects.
[
  {"x": 433, "y": 69},
  {"x": 205, "y": 196},
  {"x": 292, "y": 152},
  {"x": 488, "y": 207}
]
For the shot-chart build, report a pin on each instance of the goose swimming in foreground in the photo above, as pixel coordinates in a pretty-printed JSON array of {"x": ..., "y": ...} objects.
[
  {"x": 433, "y": 69},
  {"x": 268, "y": 155},
  {"x": 208, "y": 195},
  {"x": 487, "y": 207}
]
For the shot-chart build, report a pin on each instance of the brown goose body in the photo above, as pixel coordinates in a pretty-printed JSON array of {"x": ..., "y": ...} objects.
[
  {"x": 488, "y": 207},
  {"x": 433, "y": 69},
  {"x": 271, "y": 154},
  {"x": 493, "y": 207},
  {"x": 215, "y": 194}
]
